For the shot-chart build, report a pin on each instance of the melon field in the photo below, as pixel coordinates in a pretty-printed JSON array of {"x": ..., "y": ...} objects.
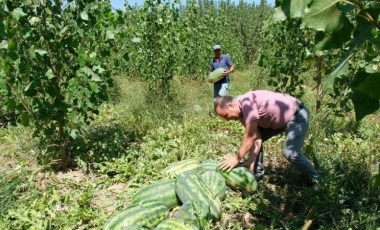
[{"x": 98, "y": 103}]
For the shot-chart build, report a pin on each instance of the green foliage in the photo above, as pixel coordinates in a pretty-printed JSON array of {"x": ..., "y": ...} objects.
[
  {"x": 351, "y": 25},
  {"x": 345, "y": 153},
  {"x": 53, "y": 66},
  {"x": 247, "y": 21},
  {"x": 283, "y": 55},
  {"x": 155, "y": 41}
]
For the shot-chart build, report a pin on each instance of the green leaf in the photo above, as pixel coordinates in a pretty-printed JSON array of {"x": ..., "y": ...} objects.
[
  {"x": 30, "y": 90},
  {"x": 95, "y": 77},
  {"x": 84, "y": 16},
  {"x": 372, "y": 68},
  {"x": 74, "y": 134},
  {"x": 34, "y": 20},
  {"x": 126, "y": 56},
  {"x": 18, "y": 13},
  {"x": 136, "y": 40},
  {"x": 4, "y": 44},
  {"x": 289, "y": 9},
  {"x": 49, "y": 74},
  {"x": 369, "y": 84},
  {"x": 364, "y": 105},
  {"x": 3, "y": 86},
  {"x": 279, "y": 15},
  {"x": 342, "y": 67},
  {"x": 110, "y": 35},
  {"x": 324, "y": 15},
  {"x": 40, "y": 52},
  {"x": 327, "y": 41},
  {"x": 92, "y": 55},
  {"x": 24, "y": 118}
]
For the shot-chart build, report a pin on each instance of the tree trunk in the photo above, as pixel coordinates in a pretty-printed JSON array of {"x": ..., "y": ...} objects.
[{"x": 319, "y": 63}]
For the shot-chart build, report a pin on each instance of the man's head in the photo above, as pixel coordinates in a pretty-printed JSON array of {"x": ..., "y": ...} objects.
[
  {"x": 217, "y": 50},
  {"x": 227, "y": 107}
]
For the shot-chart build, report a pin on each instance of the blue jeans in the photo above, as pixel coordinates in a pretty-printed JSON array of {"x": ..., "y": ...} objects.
[
  {"x": 296, "y": 130},
  {"x": 221, "y": 87}
]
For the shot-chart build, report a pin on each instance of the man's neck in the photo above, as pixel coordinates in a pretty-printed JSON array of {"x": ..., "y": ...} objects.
[{"x": 236, "y": 102}]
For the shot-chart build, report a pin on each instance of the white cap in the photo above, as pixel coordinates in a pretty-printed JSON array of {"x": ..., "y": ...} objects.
[{"x": 216, "y": 47}]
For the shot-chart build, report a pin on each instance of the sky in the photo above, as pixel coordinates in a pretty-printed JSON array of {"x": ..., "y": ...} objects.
[{"x": 119, "y": 4}]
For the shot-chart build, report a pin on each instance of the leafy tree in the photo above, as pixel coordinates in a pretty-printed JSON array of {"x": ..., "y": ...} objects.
[
  {"x": 53, "y": 67},
  {"x": 348, "y": 25}
]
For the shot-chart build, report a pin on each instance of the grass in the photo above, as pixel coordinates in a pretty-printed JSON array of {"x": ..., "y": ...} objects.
[{"x": 131, "y": 141}]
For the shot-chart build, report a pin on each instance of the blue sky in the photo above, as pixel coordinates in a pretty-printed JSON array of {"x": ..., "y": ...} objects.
[{"x": 119, "y": 4}]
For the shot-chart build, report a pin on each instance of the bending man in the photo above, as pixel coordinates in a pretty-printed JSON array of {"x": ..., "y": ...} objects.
[{"x": 265, "y": 114}]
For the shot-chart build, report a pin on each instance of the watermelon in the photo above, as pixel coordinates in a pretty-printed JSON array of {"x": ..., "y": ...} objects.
[
  {"x": 216, "y": 75},
  {"x": 162, "y": 191},
  {"x": 148, "y": 214},
  {"x": 179, "y": 167},
  {"x": 195, "y": 213},
  {"x": 174, "y": 224},
  {"x": 241, "y": 178},
  {"x": 216, "y": 182},
  {"x": 191, "y": 188},
  {"x": 134, "y": 227},
  {"x": 209, "y": 165}
]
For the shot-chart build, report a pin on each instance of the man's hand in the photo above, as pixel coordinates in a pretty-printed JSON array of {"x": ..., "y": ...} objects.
[
  {"x": 226, "y": 72},
  {"x": 230, "y": 163}
]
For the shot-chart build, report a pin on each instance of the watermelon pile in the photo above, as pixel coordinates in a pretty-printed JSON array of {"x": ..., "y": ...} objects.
[{"x": 192, "y": 190}]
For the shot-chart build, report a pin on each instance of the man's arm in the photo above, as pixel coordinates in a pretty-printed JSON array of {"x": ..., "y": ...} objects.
[
  {"x": 249, "y": 140},
  {"x": 251, "y": 160},
  {"x": 231, "y": 66}
]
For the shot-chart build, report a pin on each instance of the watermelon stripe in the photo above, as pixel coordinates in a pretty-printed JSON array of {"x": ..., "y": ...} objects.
[
  {"x": 175, "y": 225},
  {"x": 146, "y": 215},
  {"x": 216, "y": 182},
  {"x": 241, "y": 178},
  {"x": 179, "y": 167},
  {"x": 190, "y": 187},
  {"x": 163, "y": 191}
]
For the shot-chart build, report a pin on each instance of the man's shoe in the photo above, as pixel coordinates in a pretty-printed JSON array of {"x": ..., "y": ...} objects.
[
  {"x": 315, "y": 187},
  {"x": 315, "y": 184},
  {"x": 258, "y": 178}
]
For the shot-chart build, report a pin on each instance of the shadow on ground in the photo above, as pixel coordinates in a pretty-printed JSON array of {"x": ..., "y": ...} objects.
[{"x": 345, "y": 199}]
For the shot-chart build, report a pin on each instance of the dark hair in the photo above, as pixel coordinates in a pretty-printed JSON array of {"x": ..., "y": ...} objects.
[{"x": 222, "y": 102}]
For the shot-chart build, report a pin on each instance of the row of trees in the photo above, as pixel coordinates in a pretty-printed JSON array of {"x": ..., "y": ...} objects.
[
  {"x": 57, "y": 58},
  {"x": 335, "y": 42}
]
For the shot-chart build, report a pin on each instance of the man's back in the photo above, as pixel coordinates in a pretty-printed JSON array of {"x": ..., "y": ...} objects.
[{"x": 270, "y": 109}]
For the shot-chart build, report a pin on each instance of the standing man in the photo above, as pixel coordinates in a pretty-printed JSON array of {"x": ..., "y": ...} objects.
[
  {"x": 221, "y": 61},
  {"x": 265, "y": 114}
]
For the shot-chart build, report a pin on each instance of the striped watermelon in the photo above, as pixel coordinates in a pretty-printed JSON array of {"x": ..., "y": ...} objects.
[
  {"x": 209, "y": 165},
  {"x": 191, "y": 187},
  {"x": 179, "y": 167},
  {"x": 196, "y": 214},
  {"x": 216, "y": 75},
  {"x": 241, "y": 178},
  {"x": 175, "y": 224},
  {"x": 162, "y": 191},
  {"x": 148, "y": 214},
  {"x": 216, "y": 182},
  {"x": 135, "y": 227}
]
